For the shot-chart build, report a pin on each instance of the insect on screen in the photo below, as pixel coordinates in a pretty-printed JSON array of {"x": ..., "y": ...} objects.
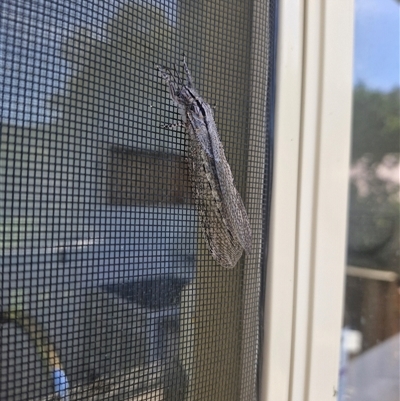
[{"x": 135, "y": 167}]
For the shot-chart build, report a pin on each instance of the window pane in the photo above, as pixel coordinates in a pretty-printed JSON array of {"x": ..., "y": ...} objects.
[
  {"x": 107, "y": 281},
  {"x": 371, "y": 341}
]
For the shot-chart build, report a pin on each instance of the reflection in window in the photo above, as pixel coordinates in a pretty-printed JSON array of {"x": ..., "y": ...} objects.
[{"x": 107, "y": 289}]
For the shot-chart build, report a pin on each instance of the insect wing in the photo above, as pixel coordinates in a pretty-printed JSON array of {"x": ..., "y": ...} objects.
[
  {"x": 222, "y": 214},
  {"x": 198, "y": 132},
  {"x": 234, "y": 212},
  {"x": 236, "y": 215},
  {"x": 223, "y": 244}
]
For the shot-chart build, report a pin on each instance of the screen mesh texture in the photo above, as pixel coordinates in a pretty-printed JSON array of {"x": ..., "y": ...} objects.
[{"x": 108, "y": 290}]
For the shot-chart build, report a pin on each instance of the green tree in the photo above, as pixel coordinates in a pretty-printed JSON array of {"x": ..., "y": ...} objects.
[
  {"x": 376, "y": 123},
  {"x": 374, "y": 203}
]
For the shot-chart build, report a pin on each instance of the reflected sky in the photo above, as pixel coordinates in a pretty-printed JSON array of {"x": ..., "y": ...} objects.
[
  {"x": 31, "y": 67},
  {"x": 32, "y": 33},
  {"x": 377, "y": 44}
]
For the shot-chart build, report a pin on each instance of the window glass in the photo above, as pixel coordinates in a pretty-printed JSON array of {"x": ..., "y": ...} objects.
[
  {"x": 371, "y": 339},
  {"x": 125, "y": 229}
]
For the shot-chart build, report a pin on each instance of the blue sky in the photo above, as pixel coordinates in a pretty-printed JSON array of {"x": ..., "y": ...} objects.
[{"x": 377, "y": 44}]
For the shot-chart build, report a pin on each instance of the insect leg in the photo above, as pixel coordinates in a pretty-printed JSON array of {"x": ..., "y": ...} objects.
[{"x": 174, "y": 125}]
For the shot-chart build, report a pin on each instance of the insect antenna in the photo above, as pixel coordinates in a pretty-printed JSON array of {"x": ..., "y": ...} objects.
[
  {"x": 177, "y": 77},
  {"x": 187, "y": 72}
]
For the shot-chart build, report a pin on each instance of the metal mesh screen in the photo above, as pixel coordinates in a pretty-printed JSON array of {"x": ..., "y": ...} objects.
[{"x": 108, "y": 289}]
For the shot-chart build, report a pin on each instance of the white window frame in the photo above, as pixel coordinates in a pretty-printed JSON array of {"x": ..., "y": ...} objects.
[{"x": 306, "y": 266}]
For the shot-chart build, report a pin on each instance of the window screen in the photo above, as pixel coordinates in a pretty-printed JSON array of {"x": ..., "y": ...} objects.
[{"x": 108, "y": 289}]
